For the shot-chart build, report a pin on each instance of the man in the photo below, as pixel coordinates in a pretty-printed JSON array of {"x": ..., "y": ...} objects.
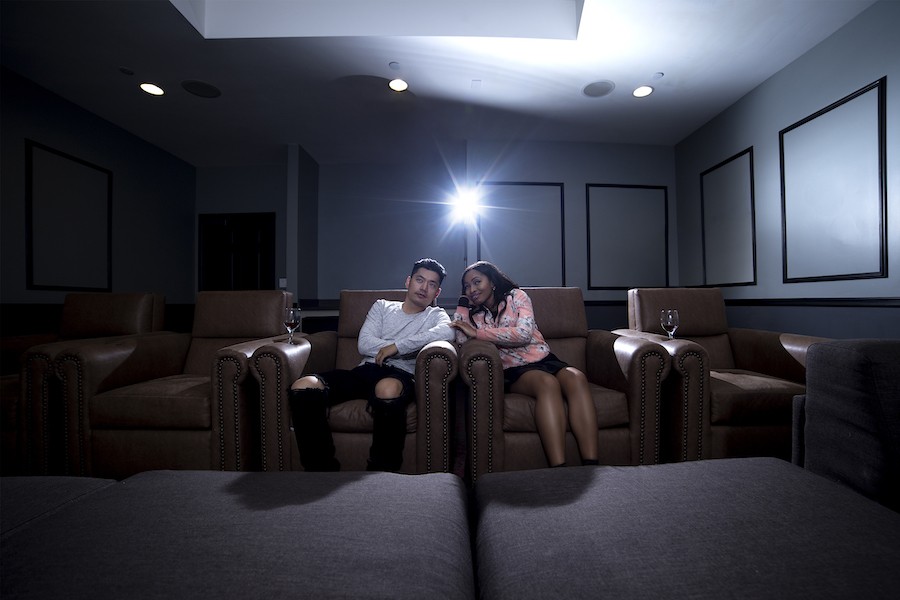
[{"x": 389, "y": 340}]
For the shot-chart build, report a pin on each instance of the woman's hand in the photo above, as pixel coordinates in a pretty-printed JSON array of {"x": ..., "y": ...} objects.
[{"x": 466, "y": 328}]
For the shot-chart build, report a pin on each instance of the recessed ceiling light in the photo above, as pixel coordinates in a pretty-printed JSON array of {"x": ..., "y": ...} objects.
[
  {"x": 643, "y": 91},
  {"x": 152, "y": 89},
  {"x": 398, "y": 85}
]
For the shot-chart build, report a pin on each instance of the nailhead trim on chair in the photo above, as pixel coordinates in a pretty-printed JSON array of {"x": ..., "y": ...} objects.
[
  {"x": 644, "y": 405},
  {"x": 221, "y": 412},
  {"x": 44, "y": 442},
  {"x": 82, "y": 467},
  {"x": 278, "y": 412},
  {"x": 445, "y": 419},
  {"x": 684, "y": 399},
  {"x": 490, "y": 400}
]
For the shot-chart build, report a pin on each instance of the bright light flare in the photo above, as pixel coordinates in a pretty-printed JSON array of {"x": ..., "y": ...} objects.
[{"x": 465, "y": 206}]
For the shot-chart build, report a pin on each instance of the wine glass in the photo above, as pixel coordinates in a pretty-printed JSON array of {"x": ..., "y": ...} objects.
[
  {"x": 291, "y": 322},
  {"x": 668, "y": 318}
]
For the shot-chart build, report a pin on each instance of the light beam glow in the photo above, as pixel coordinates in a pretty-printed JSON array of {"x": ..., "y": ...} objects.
[{"x": 465, "y": 205}]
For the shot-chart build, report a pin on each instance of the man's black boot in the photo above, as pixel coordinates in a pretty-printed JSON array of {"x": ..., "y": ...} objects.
[
  {"x": 309, "y": 413},
  {"x": 388, "y": 434}
]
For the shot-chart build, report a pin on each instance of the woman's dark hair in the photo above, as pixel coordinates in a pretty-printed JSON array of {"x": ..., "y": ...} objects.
[{"x": 501, "y": 283}]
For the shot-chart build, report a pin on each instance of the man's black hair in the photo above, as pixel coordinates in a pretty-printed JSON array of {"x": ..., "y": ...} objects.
[{"x": 431, "y": 265}]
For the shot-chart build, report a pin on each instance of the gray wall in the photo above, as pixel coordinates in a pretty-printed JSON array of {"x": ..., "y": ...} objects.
[
  {"x": 376, "y": 220},
  {"x": 862, "y": 52},
  {"x": 373, "y": 220},
  {"x": 152, "y": 199},
  {"x": 247, "y": 189}
]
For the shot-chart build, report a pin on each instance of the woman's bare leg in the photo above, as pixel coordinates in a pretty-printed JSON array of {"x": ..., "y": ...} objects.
[
  {"x": 549, "y": 412},
  {"x": 582, "y": 413}
]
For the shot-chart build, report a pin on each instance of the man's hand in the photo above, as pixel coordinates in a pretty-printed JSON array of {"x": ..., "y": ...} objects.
[{"x": 385, "y": 353}]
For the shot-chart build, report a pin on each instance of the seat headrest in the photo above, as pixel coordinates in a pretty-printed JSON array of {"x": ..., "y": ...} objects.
[
  {"x": 89, "y": 315},
  {"x": 355, "y": 305},
  {"x": 559, "y": 311},
  {"x": 701, "y": 311},
  {"x": 244, "y": 314}
]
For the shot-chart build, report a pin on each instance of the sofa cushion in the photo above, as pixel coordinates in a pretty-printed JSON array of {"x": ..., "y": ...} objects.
[
  {"x": 353, "y": 417},
  {"x": 28, "y": 499},
  {"x": 749, "y": 528},
  {"x": 175, "y": 402},
  {"x": 210, "y": 534},
  {"x": 748, "y": 398}
]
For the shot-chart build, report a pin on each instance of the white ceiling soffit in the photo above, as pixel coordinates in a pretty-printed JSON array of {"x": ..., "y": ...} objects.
[{"x": 539, "y": 19}]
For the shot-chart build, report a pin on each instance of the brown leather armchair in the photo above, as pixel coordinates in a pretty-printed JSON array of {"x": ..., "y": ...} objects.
[
  {"x": 731, "y": 389},
  {"x": 171, "y": 400},
  {"x": 32, "y": 398},
  {"x": 429, "y": 427},
  {"x": 625, "y": 375}
]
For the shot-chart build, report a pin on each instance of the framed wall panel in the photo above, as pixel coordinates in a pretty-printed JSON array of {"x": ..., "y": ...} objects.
[
  {"x": 627, "y": 236},
  {"x": 833, "y": 190},
  {"x": 521, "y": 228},
  {"x": 68, "y": 221},
  {"x": 728, "y": 213}
]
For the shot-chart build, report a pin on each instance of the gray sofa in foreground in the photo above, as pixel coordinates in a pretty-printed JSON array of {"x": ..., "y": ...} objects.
[{"x": 738, "y": 528}]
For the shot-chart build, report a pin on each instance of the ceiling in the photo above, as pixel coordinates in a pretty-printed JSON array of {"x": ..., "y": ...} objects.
[{"x": 315, "y": 72}]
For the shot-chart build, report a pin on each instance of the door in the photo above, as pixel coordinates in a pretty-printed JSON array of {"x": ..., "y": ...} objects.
[{"x": 237, "y": 251}]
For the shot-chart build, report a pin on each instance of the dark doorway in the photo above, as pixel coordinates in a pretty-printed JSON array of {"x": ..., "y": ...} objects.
[{"x": 237, "y": 251}]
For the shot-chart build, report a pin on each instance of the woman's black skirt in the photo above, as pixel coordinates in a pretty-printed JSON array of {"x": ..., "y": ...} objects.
[{"x": 550, "y": 364}]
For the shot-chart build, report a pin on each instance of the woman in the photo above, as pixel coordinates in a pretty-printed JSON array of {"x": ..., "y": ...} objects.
[{"x": 493, "y": 308}]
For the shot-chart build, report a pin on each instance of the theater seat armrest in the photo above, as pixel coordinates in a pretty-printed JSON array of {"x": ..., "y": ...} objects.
[
  {"x": 687, "y": 392},
  {"x": 481, "y": 370},
  {"x": 637, "y": 367},
  {"x": 240, "y": 356},
  {"x": 235, "y": 406},
  {"x": 436, "y": 367},
  {"x": 679, "y": 350},
  {"x": 276, "y": 366},
  {"x": 619, "y": 362},
  {"x": 119, "y": 361},
  {"x": 772, "y": 353},
  {"x": 480, "y": 352}
]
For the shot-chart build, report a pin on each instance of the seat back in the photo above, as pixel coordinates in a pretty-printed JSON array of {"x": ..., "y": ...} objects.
[
  {"x": 91, "y": 315},
  {"x": 229, "y": 317},
  {"x": 560, "y": 317},
  {"x": 354, "y": 306},
  {"x": 701, "y": 313}
]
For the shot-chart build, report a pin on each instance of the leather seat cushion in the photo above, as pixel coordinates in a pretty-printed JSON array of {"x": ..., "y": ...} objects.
[
  {"x": 174, "y": 402},
  {"x": 352, "y": 417},
  {"x": 745, "y": 397},
  {"x": 612, "y": 410}
]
